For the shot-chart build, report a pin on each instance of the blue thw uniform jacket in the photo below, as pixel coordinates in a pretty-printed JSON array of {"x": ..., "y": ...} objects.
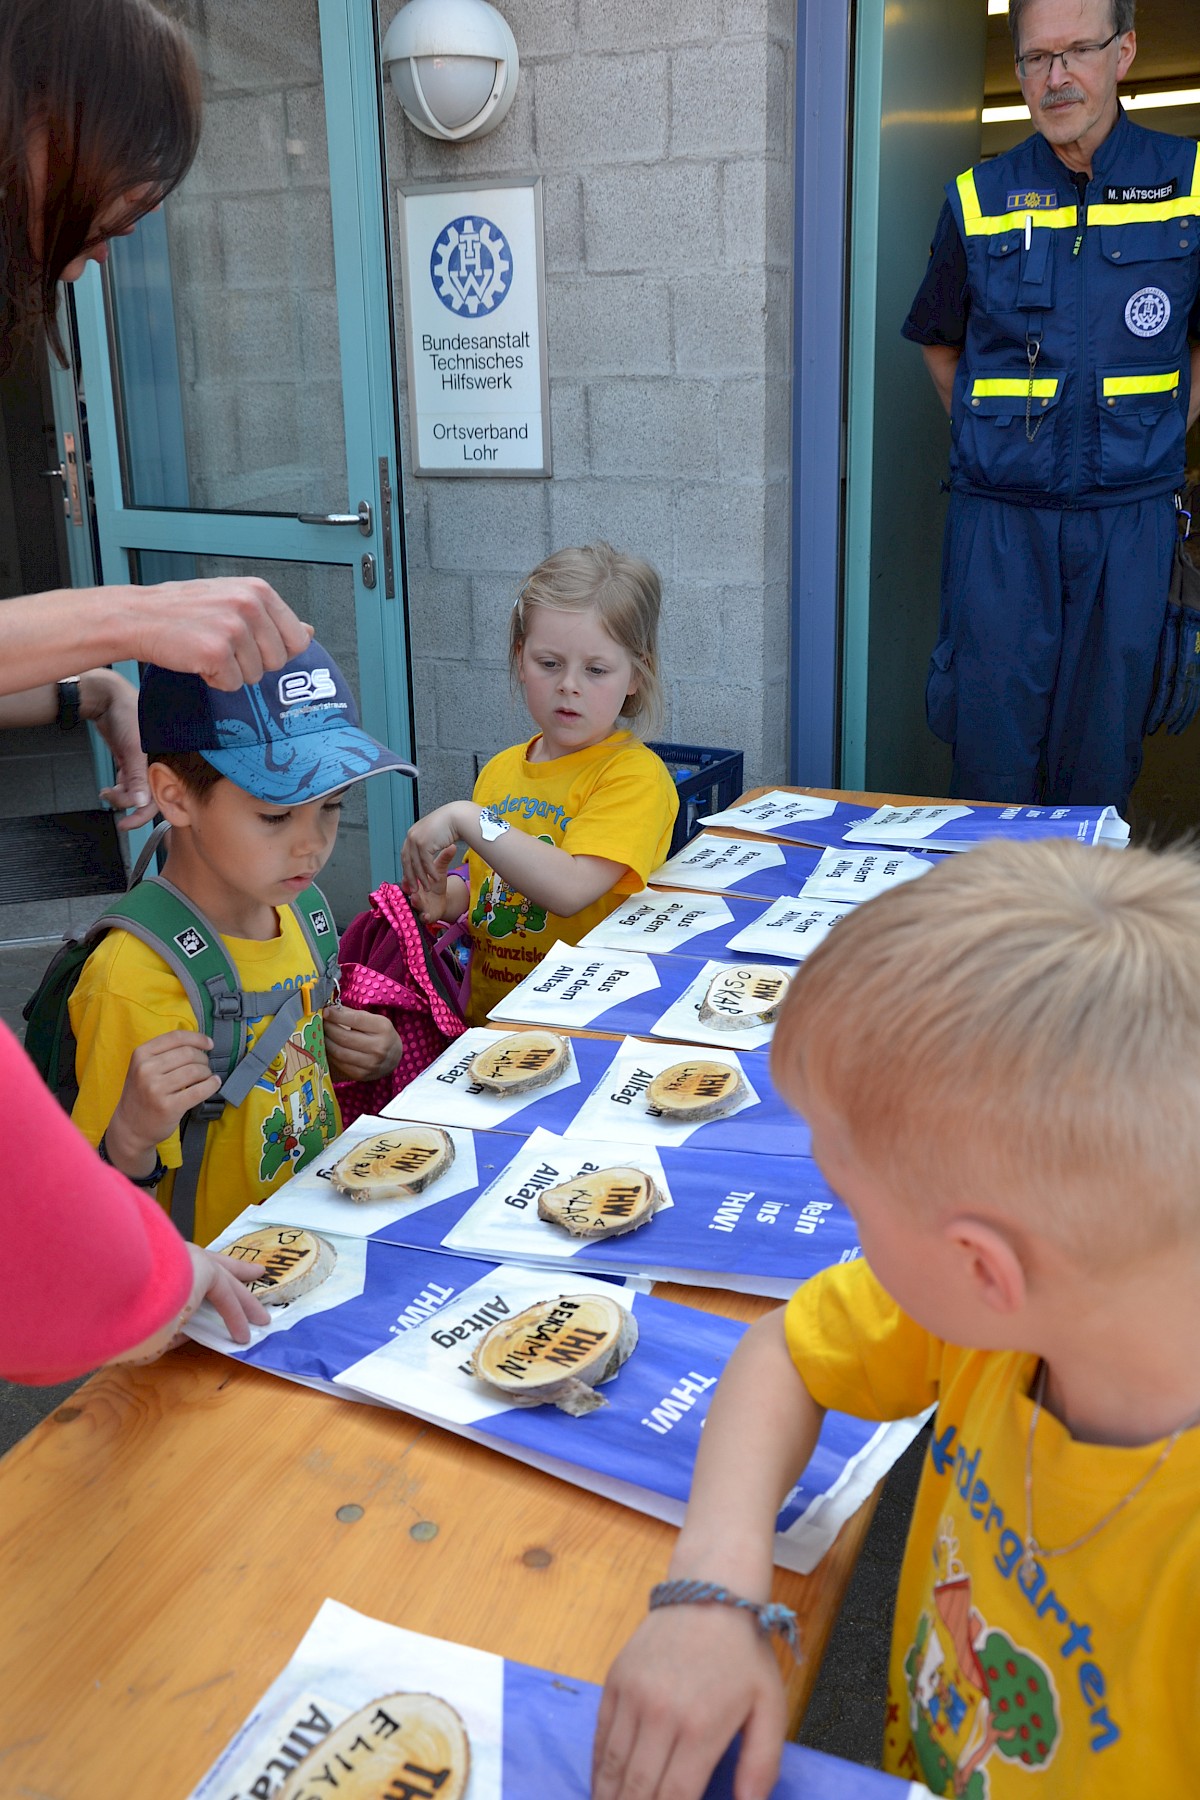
[{"x": 1073, "y": 386}]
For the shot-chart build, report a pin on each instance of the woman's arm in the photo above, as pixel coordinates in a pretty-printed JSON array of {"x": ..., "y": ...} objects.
[
  {"x": 110, "y": 703},
  {"x": 229, "y": 631},
  {"x": 550, "y": 877}
]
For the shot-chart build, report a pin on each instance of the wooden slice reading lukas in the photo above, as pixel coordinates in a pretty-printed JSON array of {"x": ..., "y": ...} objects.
[
  {"x": 695, "y": 1091},
  {"x": 295, "y": 1261},
  {"x": 606, "y": 1204},
  {"x": 556, "y": 1352},
  {"x": 520, "y": 1062},
  {"x": 403, "y": 1747},
  {"x": 394, "y": 1165},
  {"x": 738, "y": 998}
]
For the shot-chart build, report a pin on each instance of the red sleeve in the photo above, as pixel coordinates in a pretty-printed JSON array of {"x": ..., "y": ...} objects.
[{"x": 94, "y": 1265}]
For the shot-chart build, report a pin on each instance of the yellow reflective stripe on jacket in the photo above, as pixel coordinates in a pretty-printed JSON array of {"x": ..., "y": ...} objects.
[
  {"x": 1014, "y": 388},
  {"x": 977, "y": 223},
  {"x": 1184, "y": 206},
  {"x": 1140, "y": 384}
]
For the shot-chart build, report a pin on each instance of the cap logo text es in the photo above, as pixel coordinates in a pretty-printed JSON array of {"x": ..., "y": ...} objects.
[{"x": 300, "y": 685}]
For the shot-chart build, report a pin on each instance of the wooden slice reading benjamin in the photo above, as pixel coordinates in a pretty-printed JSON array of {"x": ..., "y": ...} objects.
[
  {"x": 605, "y": 1204},
  {"x": 394, "y": 1165},
  {"x": 403, "y": 1747},
  {"x": 696, "y": 1091},
  {"x": 557, "y": 1352},
  {"x": 738, "y": 998},
  {"x": 295, "y": 1262},
  {"x": 521, "y": 1062}
]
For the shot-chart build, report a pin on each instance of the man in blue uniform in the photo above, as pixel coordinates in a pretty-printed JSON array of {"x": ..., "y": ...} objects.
[{"x": 1058, "y": 318}]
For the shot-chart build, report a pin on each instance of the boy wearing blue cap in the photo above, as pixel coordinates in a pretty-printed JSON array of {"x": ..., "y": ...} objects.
[{"x": 251, "y": 784}]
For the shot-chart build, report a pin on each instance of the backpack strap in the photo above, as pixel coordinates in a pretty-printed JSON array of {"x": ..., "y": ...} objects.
[{"x": 314, "y": 915}]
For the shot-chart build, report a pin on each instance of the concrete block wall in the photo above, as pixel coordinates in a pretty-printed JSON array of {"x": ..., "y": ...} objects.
[{"x": 663, "y": 135}]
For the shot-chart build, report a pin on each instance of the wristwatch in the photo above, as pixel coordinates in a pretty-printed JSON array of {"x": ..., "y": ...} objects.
[
  {"x": 69, "y": 701},
  {"x": 149, "y": 1181},
  {"x": 491, "y": 825}
]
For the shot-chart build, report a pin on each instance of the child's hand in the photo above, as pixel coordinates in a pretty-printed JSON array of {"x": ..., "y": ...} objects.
[
  {"x": 226, "y": 1283},
  {"x": 167, "y": 1076},
  {"x": 428, "y": 852},
  {"x": 687, "y": 1682},
  {"x": 362, "y": 1045}
]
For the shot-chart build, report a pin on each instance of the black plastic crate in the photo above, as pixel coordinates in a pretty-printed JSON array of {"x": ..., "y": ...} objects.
[{"x": 708, "y": 781}]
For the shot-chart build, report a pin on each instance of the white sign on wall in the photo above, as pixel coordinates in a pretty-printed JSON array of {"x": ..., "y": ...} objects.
[{"x": 475, "y": 321}]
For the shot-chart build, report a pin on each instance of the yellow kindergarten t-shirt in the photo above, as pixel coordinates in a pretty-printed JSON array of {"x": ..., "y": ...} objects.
[
  {"x": 615, "y": 799},
  {"x": 1077, "y": 1678},
  {"x": 127, "y": 995}
]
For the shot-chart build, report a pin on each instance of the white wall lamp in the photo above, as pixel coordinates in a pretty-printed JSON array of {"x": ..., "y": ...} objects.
[{"x": 454, "y": 66}]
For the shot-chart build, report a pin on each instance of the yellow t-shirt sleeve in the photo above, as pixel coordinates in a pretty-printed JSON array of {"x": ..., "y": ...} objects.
[
  {"x": 109, "y": 1024},
  {"x": 627, "y": 817},
  {"x": 856, "y": 1351}
]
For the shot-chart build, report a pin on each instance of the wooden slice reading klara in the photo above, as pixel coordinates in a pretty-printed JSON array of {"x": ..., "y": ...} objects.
[
  {"x": 394, "y": 1165},
  {"x": 695, "y": 1091},
  {"x": 557, "y": 1352},
  {"x": 738, "y": 998},
  {"x": 295, "y": 1262},
  {"x": 605, "y": 1204},
  {"x": 405, "y": 1745},
  {"x": 520, "y": 1062}
]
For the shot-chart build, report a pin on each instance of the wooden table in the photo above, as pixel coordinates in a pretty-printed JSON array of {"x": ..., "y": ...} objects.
[{"x": 168, "y": 1535}]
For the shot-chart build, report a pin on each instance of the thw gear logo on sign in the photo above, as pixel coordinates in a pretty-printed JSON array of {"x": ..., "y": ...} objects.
[
  {"x": 1148, "y": 313},
  {"x": 306, "y": 684},
  {"x": 191, "y": 942},
  {"x": 471, "y": 266}
]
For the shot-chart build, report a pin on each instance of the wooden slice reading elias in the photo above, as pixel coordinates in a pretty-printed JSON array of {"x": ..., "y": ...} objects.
[
  {"x": 696, "y": 1091},
  {"x": 738, "y": 998},
  {"x": 295, "y": 1262},
  {"x": 394, "y": 1165},
  {"x": 403, "y": 1747},
  {"x": 520, "y": 1062},
  {"x": 605, "y": 1204},
  {"x": 557, "y": 1352}
]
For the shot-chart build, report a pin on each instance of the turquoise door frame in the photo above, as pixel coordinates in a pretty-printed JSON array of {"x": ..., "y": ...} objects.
[
  {"x": 918, "y": 94},
  {"x": 352, "y": 99}
]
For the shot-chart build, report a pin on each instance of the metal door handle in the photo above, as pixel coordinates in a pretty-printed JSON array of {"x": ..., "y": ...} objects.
[
  {"x": 361, "y": 518},
  {"x": 60, "y": 473}
]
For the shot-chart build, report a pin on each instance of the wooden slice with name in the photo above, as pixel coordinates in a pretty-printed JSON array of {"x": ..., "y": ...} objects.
[
  {"x": 520, "y": 1062},
  {"x": 606, "y": 1204},
  {"x": 402, "y": 1747},
  {"x": 295, "y": 1262},
  {"x": 695, "y": 1091},
  {"x": 738, "y": 998},
  {"x": 557, "y": 1352},
  {"x": 394, "y": 1165}
]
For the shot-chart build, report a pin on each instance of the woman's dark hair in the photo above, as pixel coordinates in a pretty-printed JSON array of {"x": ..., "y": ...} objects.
[{"x": 114, "y": 87}]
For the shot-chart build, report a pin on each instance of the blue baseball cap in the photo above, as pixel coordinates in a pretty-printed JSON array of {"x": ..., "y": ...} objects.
[{"x": 290, "y": 738}]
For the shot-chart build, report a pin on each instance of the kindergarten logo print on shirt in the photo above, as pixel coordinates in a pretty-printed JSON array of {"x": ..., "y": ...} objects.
[{"x": 471, "y": 266}]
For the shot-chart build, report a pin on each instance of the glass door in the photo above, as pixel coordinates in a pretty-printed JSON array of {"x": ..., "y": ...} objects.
[{"x": 238, "y": 365}]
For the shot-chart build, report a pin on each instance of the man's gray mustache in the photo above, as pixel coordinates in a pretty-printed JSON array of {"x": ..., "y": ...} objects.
[{"x": 1063, "y": 97}]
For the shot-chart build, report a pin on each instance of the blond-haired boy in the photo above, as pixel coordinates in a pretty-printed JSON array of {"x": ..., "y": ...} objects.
[{"x": 1001, "y": 1067}]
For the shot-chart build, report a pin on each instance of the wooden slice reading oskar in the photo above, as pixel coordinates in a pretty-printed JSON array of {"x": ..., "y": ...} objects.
[
  {"x": 738, "y": 998},
  {"x": 394, "y": 1165},
  {"x": 403, "y": 1747},
  {"x": 295, "y": 1261},
  {"x": 521, "y": 1062},
  {"x": 557, "y": 1352},
  {"x": 605, "y": 1204},
  {"x": 696, "y": 1091}
]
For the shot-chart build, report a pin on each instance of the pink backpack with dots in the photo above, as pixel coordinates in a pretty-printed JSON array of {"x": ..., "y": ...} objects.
[{"x": 393, "y": 964}]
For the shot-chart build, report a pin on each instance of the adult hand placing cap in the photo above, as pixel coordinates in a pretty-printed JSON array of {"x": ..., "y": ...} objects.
[{"x": 229, "y": 632}]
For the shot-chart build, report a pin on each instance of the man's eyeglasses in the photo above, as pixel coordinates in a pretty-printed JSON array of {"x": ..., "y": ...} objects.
[{"x": 1040, "y": 63}]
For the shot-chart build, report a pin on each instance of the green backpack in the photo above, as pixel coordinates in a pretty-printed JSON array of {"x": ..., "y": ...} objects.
[{"x": 157, "y": 913}]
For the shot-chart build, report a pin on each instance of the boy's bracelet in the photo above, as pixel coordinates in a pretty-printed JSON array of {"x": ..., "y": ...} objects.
[
  {"x": 771, "y": 1618},
  {"x": 149, "y": 1181}
]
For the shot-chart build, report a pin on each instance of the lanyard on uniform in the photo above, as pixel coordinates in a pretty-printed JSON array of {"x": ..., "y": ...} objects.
[{"x": 1033, "y": 349}]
